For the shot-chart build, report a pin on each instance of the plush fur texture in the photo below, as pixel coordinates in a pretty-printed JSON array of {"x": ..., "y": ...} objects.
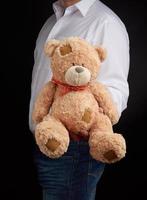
[{"x": 89, "y": 111}]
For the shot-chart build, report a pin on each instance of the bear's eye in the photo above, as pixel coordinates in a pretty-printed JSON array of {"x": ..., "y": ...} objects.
[
  {"x": 73, "y": 64},
  {"x": 83, "y": 65}
]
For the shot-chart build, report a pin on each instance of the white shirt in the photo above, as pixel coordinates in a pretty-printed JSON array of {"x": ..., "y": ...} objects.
[{"x": 99, "y": 25}]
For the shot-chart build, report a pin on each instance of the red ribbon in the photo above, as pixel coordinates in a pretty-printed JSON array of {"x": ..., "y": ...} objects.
[{"x": 68, "y": 88}]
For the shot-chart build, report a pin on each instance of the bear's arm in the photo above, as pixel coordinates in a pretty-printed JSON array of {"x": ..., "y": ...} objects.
[
  {"x": 104, "y": 99},
  {"x": 43, "y": 102}
]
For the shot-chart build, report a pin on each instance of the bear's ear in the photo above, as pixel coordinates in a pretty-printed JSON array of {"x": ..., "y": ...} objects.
[
  {"x": 101, "y": 52},
  {"x": 50, "y": 47}
]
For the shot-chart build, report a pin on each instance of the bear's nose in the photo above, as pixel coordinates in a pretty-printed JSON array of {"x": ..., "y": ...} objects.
[{"x": 79, "y": 69}]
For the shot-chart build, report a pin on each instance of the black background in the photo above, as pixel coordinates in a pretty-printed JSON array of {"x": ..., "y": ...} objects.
[{"x": 22, "y": 21}]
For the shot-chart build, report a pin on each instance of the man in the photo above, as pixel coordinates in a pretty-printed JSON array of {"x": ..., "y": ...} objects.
[{"x": 75, "y": 174}]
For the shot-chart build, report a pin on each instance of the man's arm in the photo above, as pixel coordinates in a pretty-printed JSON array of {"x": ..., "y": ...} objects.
[
  {"x": 41, "y": 71},
  {"x": 114, "y": 70}
]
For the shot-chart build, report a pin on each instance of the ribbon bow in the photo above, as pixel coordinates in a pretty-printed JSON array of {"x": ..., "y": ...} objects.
[{"x": 68, "y": 88}]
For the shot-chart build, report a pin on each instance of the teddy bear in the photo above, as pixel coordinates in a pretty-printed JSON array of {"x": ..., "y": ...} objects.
[{"x": 73, "y": 101}]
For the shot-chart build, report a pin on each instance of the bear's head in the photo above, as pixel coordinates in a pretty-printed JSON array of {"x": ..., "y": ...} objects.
[{"x": 74, "y": 61}]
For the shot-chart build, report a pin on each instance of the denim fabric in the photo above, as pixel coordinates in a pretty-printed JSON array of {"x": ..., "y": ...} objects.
[{"x": 73, "y": 176}]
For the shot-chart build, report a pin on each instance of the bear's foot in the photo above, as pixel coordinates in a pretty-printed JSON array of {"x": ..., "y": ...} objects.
[
  {"x": 107, "y": 147},
  {"x": 52, "y": 144},
  {"x": 52, "y": 137}
]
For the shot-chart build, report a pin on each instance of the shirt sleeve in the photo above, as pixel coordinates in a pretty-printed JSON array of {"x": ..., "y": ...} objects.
[
  {"x": 114, "y": 70},
  {"x": 41, "y": 72}
]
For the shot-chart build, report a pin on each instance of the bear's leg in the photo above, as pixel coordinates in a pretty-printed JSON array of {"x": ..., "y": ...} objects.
[
  {"x": 106, "y": 146},
  {"x": 52, "y": 137}
]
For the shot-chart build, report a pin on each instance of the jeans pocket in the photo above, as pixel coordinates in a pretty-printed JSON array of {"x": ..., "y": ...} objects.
[
  {"x": 54, "y": 174},
  {"x": 95, "y": 167},
  {"x": 95, "y": 171}
]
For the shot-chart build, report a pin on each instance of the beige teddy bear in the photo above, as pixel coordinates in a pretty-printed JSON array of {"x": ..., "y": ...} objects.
[{"x": 74, "y": 102}]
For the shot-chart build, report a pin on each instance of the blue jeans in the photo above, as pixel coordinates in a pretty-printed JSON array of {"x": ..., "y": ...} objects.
[{"x": 73, "y": 176}]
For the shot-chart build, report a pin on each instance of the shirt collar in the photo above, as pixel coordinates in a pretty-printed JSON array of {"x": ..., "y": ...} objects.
[{"x": 83, "y": 6}]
